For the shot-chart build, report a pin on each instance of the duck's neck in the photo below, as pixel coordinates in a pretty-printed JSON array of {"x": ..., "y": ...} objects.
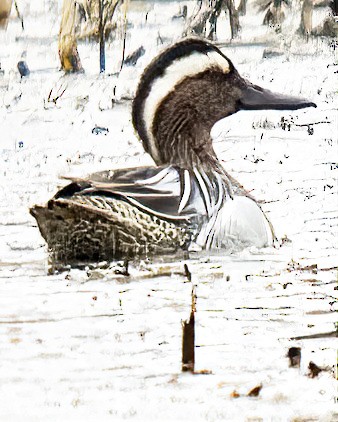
[
  {"x": 185, "y": 146},
  {"x": 182, "y": 137},
  {"x": 185, "y": 141},
  {"x": 193, "y": 150}
]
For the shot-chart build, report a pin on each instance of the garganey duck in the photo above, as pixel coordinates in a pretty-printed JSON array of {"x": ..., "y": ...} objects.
[{"x": 187, "y": 200}]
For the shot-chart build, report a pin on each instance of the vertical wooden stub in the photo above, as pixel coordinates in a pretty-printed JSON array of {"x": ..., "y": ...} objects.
[
  {"x": 188, "y": 340},
  {"x": 102, "y": 38},
  {"x": 187, "y": 272},
  {"x": 234, "y": 18},
  {"x": 294, "y": 355},
  {"x": 306, "y": 17},
  {"x": 69, "y": 56}
]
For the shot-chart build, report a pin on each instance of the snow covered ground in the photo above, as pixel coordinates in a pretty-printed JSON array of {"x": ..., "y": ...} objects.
[{"x": 93, "y": 345}]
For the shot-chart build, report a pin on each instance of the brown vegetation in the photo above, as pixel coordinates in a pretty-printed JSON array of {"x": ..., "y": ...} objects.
[
  {"x": 69, "y": 56},
  {"x": 91, "y": 13},
  {"x": 306, "y": 17},
  {"x": 210, "y": 11},
  {"x": 5, "y": 11}
]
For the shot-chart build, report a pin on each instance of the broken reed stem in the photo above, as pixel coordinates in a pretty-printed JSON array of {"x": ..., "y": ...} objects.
[
  {"x": 123, "y": 48},
  {"x": 102, "y": 38},
  {"x": 59, "y": 95},
  {"x": 188, "y": 340},
  {"x": 124, "y": 35},
  {"x": 187, "y": 272},
  {"x": 19, "y": 15}
]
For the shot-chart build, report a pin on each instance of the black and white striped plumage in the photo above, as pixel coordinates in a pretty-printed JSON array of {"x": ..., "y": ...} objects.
[{"x": 188, "y": 199}]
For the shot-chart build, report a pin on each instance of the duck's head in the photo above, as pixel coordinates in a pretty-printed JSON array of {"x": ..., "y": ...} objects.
[{"x": 184, "y": 92}]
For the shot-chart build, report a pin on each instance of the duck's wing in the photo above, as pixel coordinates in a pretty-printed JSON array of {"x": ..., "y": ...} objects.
[{"x": 167, "y": 192}]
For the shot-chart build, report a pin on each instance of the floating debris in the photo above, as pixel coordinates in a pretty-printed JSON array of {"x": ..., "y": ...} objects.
[
  {"x": 294, "y": 355},
  {"x": 268, "y": 53},
  {"x": 295, "y": 266},
  {"x": 255, "y": 391},
  {"x": 235, "y": 395},
  {"x": 122, "y": 268},
  {"x": 132, "y": 59},
  {"x": 97, "y": 130},
  {"x": 314, "y": 370},
  {"x": 23, "y": 68},
  {"x": 95, "y": 275},
  {"x": 287, "y": 123}
]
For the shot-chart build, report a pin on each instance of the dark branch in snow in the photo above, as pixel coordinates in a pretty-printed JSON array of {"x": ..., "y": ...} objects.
[
  {"x": 102, "y": 37},
  {"x": 188, "y": 342},
  {"x": 54, "y": 99},
  {"x": 187, "y": 272},
  {"x": 318, "y": 335},
  {"x": 19, "y": 15}
]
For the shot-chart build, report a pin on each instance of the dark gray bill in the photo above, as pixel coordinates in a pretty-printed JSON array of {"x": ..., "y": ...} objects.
[{"x": 257, "y": 98}]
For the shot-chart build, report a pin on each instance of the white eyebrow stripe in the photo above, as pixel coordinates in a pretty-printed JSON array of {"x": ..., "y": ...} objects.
[
  {"x": 186, "y": 191},
  {"x": 205, "y": 192},
  {"x": 175, "y": 73}
]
